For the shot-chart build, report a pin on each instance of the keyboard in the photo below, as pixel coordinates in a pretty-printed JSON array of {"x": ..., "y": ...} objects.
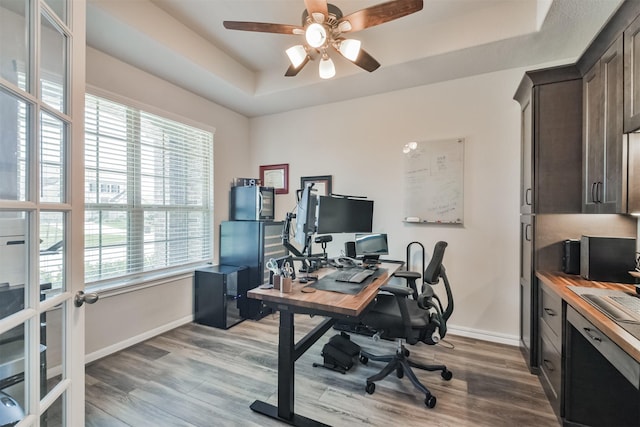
[
  {"x": 622, "y": 308},
  {"x": 351, "y": 275}
]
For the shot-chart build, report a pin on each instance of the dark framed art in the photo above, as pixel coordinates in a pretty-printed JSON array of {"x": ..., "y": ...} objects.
[
  {"x": 276, "y": 176},
  {"x": 322, "y": 184}
]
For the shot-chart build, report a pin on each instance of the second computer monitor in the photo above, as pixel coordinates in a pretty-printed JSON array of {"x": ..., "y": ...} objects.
[
  {"x": 344, "y": 215},
  {"x": 371, "y": 245}
]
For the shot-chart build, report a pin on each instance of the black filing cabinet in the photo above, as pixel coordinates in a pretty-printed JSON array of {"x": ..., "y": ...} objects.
[
  {"x": 216, "y": 294},
  {"x": 251, "y": 244}
]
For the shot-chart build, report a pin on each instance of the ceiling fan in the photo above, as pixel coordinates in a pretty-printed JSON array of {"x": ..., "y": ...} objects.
[{"x": 324, "y": 28}]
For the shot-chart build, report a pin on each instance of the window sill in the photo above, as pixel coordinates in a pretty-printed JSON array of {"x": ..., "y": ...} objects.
[{"x": 119, "y": 286}]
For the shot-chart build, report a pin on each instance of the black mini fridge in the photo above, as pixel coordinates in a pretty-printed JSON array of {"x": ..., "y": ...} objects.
[{"x": 217, "y": 293}]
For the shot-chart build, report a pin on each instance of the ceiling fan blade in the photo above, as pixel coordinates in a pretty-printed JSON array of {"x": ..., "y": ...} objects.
[
  {"x": 293, "y": 71},
  {"x": 381, "y": 13},
  {"x": 262, "y": 27},
  {"x": 364, "y": 60},
  {"x": 317, "y": 6}
]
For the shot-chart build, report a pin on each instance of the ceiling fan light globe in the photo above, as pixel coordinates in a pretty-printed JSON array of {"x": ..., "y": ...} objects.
[
  {"x": 326, "y": 69},
  {"x": 296, "y": 55},
  {"x": 316, "y": 35},
  {"x": 318, "y": 17},
  {"x": 350, "y": 49},
  {"x": 344, "y": 26}
]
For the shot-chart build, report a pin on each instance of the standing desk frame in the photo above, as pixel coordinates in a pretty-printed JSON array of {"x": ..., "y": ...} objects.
[{"x": 333, "y": 306}]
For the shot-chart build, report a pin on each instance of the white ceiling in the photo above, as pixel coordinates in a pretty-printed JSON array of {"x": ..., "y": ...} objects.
[{"x": 184, "y": 42}]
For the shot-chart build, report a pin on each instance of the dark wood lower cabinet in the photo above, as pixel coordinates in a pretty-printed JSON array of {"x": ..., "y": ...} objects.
[
  {"x": 591, "y": 378},
  {"x": 597, "y": 393},
  {"x": 551, "y": 333}
]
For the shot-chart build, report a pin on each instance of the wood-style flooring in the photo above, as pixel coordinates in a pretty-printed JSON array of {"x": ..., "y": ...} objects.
[{"x": 200, "y": 376}]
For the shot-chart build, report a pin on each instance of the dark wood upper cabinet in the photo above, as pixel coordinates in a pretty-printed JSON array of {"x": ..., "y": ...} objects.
[
  {"x": 593, "y": 148},
  {"x": 604, "y": 153},
  {"x": 632, "y": 76},
  {"x": 551, "y": 140}
]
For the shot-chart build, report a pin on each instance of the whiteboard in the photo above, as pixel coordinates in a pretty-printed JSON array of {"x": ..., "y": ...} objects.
[{"x": 433, "y": 181}]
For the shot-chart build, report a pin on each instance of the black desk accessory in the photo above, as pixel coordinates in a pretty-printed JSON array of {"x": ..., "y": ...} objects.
[{"x": 339, "y": 353}]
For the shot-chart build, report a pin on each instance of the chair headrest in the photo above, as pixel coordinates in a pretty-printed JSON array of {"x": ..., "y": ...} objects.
[{"x": 433, "y": 270}]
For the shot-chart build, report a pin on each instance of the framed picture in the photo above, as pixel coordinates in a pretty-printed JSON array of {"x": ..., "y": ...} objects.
[
  {"x": 276, "y": 176},
  {"x": 322, "y": 184}
]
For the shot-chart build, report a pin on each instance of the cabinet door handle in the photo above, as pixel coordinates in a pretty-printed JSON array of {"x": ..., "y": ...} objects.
[
  {"x": 593, "y": 192},
  {"x": 527, "y": 197},
  {"x": 547, "y": 364},
  {"x": 549, "y": 311},
  {"x": 599, "y": 186},
  {"x": 527, "y": 234},
  {"x": 589, "y": 333}
]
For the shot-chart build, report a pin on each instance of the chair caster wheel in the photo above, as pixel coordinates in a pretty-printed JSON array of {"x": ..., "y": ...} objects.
[
  {"x": 370, "y": 388},
  {"x": 430, "y": 401},
  {"x": 364, "y": 359},
  {"x": 399, "y": 372},
  {"x": 447, "y": 375}
]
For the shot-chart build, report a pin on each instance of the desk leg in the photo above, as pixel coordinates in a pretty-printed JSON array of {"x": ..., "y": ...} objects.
[
  {"x": 286, "y": 381},
  {"x": 286, "y": 366}
]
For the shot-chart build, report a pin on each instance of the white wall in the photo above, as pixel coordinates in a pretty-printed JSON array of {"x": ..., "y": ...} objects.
[
  {"x": 359, "y": 142},
  {"x": 120, "y": 320}
]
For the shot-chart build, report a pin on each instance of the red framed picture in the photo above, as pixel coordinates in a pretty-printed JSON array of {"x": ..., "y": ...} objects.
[{"x": 276, "y": 176}]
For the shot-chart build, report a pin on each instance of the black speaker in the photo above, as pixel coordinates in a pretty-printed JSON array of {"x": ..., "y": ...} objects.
[
  {"x": 571, "y": 256},
  {"x": 350, "y": 249}
]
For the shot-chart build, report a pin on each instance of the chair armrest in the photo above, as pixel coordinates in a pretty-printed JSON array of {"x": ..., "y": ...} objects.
[
  {"x": 401, "y": 291},
  {"x": 410, "y": 277},
  {"x": 407, "y": 274}
]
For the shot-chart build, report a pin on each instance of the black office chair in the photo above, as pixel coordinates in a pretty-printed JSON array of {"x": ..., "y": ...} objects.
[{"x": 422, "y": 319}]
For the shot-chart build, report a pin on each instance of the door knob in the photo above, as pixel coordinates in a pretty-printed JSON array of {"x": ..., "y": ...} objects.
[{"x": 81, "y": 298}]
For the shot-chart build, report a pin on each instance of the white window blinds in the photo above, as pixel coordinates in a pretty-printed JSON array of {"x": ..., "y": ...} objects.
[{"x": 148, "y": 192}]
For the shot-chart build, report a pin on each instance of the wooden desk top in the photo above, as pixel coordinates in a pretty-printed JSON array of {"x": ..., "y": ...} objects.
[
  {"x": 559, "y": 282},
  {"x": 326, "y": 301}
]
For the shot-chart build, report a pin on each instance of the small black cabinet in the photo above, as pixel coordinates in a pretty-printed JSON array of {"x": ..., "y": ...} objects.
[{"x": 217, "y": 291}]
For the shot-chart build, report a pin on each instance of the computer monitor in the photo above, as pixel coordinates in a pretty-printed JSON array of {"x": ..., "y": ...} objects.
[
  {"x": 344, "y": 215},
  {"x": 306, "y": 215},
  {"x": 371, "y": 246}
]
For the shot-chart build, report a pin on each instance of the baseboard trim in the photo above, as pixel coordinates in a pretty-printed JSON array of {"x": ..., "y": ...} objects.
[
  {"x": 484, "y": 335},
  {"x": 106, "y": 351},
  {"x": 136, "y": 339}
]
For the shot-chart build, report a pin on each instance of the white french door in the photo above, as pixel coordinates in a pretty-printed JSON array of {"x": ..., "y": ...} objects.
[{"x": 42, "y": 61}]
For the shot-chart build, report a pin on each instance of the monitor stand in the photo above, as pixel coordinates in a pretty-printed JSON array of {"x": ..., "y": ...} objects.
[{"x": 370, "y": 259}]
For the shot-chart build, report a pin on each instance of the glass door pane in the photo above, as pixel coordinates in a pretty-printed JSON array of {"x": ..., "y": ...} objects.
[
  {"x": 52, "y": 155},
  {"x": 14, "y": 46},
  {"x": 53, "y": 64},
  {"x": 52, "y": 254},
  {"x": 14, "y": 119},
  {"x": 12, "y": 389}
]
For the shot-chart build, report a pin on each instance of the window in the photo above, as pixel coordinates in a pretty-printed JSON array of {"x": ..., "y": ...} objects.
[{"x": 148, "y": 192}]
